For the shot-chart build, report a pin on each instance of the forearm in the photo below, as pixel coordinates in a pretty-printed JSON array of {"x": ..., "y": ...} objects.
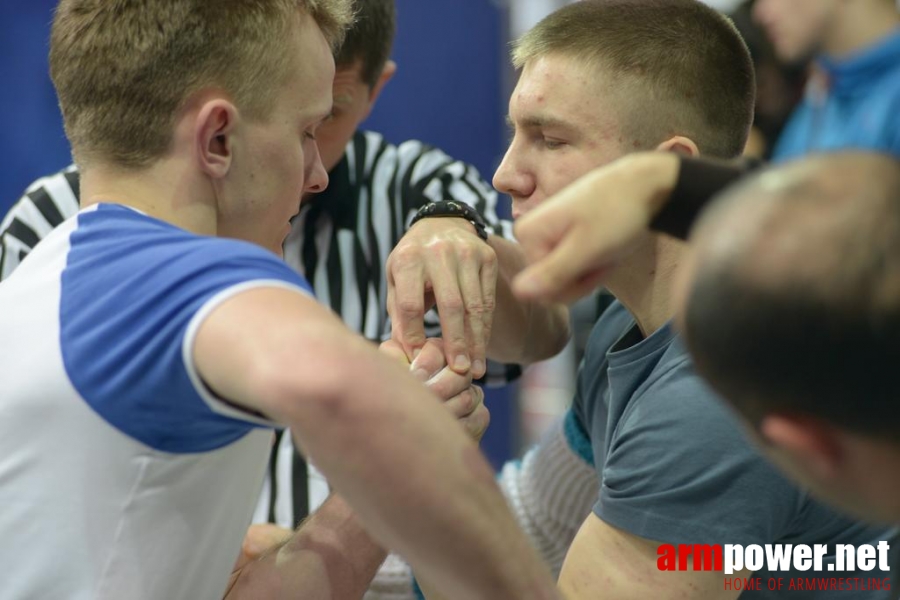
[
  {"x": 419, "y": 485},
  {"x": 382, "y": 445},
  {"x": 330, "y": 556},
  {"x": 550, "y": 492},
  {"x": 523, "y": 332}
]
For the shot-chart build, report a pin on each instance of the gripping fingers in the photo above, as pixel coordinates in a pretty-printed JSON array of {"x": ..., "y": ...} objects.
[
  {"x": 476, "y": 310},
  {"x": 466, "y": 402},
  {"x": 406, "y": 307},
  {"x": 451, "y": 311}
]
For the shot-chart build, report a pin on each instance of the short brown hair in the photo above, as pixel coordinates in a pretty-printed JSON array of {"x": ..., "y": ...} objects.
[
  {"x": 369, "y": 39},
  {"x": 123, "y": 69},
  {"x": 683, "y": 67}
]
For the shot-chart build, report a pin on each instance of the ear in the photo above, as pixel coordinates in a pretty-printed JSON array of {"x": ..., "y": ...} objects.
[
  {"x": 390, "y": 67},
  {"x": 812, "y": 443},
  {"x": 680, "y": 145},
  {"x": 213, "y": 136}
]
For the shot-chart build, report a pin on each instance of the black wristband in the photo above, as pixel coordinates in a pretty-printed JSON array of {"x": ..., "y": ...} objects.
[
  {"x": 698, "y": 181},
  {"x": 452, "y": 208}
]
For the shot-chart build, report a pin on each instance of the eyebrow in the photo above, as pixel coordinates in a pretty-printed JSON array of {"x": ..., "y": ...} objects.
[{"x": 541, "y": 122}]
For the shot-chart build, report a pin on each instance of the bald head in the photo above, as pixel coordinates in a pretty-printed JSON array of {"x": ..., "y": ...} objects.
[{"x": 793, "y": 303}]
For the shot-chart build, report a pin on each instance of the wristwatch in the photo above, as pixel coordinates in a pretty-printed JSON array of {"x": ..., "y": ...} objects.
[{"x": 452, "y": 208}]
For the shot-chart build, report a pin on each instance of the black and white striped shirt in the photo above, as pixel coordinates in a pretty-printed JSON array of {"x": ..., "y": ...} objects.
[{"x": 340, "y": 241}]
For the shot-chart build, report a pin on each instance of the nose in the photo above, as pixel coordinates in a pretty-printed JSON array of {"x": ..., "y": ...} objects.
[
  {"x": 316, "y": 176},
  {"x": 511, "y": 178}
]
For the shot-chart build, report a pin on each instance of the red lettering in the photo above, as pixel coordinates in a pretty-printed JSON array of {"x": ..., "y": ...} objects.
[
  {"x": 707, "y": 557},
  {"x": 683, "y": 551},
  {"x": 666, "y": 560}
]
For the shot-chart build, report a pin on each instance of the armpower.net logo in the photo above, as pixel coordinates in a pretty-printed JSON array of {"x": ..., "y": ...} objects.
[{"x": 775, "y": 558}]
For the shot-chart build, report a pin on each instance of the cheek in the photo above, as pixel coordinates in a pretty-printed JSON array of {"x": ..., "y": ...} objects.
[{"x": 564, "y": 170}]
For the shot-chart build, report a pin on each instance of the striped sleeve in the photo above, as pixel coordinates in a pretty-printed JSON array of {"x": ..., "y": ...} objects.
[
  {"x": 432, "y": 176},
  {"x": 46, "y": 203}
]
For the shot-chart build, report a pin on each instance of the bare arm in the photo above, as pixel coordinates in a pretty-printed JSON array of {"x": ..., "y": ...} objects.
[
  {"x": 378, "y": 436},
  {"x": 550, "y": 491},
  {"x": 605, "y": 562}
]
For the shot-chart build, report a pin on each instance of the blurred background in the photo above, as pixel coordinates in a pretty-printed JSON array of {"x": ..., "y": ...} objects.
[{"x": 450, "y": 90}]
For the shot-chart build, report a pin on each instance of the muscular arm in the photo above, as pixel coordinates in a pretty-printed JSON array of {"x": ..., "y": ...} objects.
[
  {"x": 550, "y": 491},
  {"x": 378, "y": 436},
  {"x": 605, "y": 562}
]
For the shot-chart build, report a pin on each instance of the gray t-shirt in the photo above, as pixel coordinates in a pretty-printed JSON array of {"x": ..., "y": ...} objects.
[{"x": 676, "y": 467}]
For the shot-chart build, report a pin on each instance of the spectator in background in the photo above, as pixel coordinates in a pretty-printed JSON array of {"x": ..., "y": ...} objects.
[
  {"x": 853, "y": 95},
  {"x": 779, "y": 85}
]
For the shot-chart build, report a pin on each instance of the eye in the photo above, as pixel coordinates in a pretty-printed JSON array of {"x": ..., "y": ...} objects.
[{"x": 552, "y": 144}]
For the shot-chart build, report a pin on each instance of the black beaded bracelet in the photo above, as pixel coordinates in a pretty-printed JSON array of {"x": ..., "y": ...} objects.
[{"x": 452, "y": 208}]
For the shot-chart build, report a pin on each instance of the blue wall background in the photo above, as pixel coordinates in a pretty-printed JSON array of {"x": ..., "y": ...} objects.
[
  {"x": 32, "y": 142},
  {"x": 448, "y": 91}
]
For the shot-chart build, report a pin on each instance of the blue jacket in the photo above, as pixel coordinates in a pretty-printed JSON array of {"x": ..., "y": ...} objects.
[{"x": 851, "y": 103}]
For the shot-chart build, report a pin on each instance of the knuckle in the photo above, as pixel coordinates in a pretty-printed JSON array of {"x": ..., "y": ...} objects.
[
  {"x": 467, "y": 402},
  {"x": 452, "y": 302},
  {"x": 403, "y": 255},
  {"x": 409, "y": 306},
  {"x": 477, "y": 395},
  {"x": 487, "y": 255},
  {"x": 414, "y": 338},
  {"x": 475, "y": 306},
  {"x": 479, "y": 422}
]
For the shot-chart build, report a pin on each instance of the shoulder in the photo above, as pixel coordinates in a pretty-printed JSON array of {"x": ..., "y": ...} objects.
[
  {"x": 132, "y": 294},
  {"x": 115, "y": 243}
]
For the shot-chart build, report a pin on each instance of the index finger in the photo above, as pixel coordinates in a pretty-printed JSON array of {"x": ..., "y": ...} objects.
[
  {"x": 406, "y": 307},
  {"x": 451, "y": 311}
]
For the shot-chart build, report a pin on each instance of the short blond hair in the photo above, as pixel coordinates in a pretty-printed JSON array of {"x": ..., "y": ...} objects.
[
  {"x": 123, "y": 68},
  {"x": 678, "y": 67}
]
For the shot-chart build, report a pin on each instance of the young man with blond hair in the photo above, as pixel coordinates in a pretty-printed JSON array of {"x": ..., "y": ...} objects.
[{"x": 165, "y": 353}]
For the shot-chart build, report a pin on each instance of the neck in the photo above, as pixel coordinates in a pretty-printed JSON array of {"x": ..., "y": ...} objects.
[
  {"x": 163, "y": 190},
  {"x": 644, "y": 282},
  {"x": 862, "y": 25}
]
